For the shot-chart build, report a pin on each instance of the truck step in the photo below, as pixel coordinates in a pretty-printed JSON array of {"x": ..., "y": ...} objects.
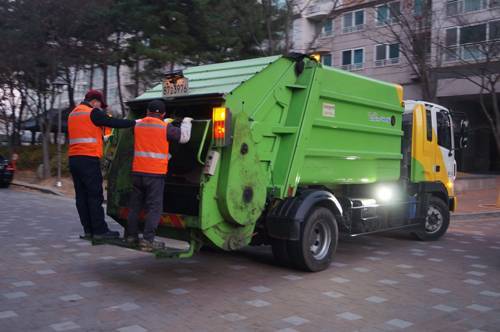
[{"x": 161, "y": 253}]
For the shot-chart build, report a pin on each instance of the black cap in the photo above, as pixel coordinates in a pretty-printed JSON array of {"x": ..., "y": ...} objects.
[{"x": 156, "y": 106}]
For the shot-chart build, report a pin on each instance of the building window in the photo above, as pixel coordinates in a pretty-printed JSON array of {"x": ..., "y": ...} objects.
[
  {"x": 455, "y": 7},
  {"x": 418, "y": 7},
  {"x": 388, "y": 13},
  {"x": 470, "y": 42},
  {"x": 494, "y": 31},
  {"x": 326, "y": 59},
  {"x": 353, "y": 59},
  {"x": 386, "y": 54},
  {"x": 353, "y": 21},
  {"x": 327, "y": 28}
]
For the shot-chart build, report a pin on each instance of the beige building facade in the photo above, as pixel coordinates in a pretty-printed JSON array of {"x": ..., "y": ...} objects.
[{"x": 370, "y": 38}]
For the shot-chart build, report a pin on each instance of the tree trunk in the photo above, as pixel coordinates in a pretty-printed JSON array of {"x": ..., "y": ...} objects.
[
  {"x": 105, "y": 81},
  {"x": 19, "y": 119},
  {"x": 269, "y": 18},
  {"x": 45, "y": 149},
  {"x": 119, "y": 87},
  {"x": 136, "y": 78},
  {"x": 91, "y": 79},
  {"x": 71, "y": 88}
]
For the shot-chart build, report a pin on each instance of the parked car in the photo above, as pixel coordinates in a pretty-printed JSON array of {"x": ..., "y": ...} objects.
[{"x": 6, "y": 172}]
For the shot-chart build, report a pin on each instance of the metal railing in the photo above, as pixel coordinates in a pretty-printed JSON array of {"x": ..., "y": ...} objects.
[
  {"x": 456, "y": 7},
  {"x": 386, "y": 62},
  {"x": 352, "y": 66},
  {"x": 353, "y": 28},
  {"x": 473, "y": 52}
]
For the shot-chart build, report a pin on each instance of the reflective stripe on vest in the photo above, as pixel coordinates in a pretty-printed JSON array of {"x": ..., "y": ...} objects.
[
  {"x": 82, "y": 140},
  {"x": 150, "y": 125},
  {"x": 150, "y": 155},
  {"x": 85, "y": 138},
  {"x": 150, "y": 146}
]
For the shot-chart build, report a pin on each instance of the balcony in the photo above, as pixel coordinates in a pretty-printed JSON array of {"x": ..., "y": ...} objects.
[{"x": 318, "y": 10}]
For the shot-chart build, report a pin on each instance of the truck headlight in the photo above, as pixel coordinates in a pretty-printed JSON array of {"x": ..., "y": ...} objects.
[{"x": 384, "y": 193}]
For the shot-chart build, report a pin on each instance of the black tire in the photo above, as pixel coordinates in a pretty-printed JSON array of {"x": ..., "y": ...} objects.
[
  {"x": 436, "y": 221},
  {"x": 318, "y": 241},
  {"x": 280, "y": 252},
  {"x": 4, "y": 185}
]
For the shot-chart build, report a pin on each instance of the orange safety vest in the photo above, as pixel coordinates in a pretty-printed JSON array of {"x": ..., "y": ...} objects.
[
  {"x": 150, "y": 146},
  {"x": 85, "y": 138}
]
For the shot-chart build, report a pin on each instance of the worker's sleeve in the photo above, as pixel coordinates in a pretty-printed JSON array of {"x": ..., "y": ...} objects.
[
  {"x": 173, "y": 133},
  {"x": 100, "y": 119}
]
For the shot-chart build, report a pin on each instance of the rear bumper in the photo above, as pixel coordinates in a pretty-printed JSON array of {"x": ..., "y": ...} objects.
[{"x": 6, "y": 176}]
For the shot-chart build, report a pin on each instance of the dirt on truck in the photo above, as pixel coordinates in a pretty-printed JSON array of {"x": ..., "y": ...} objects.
[{"x": 287, "y": 152}]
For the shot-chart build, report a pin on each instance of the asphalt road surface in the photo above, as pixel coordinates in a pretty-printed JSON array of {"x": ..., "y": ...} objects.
[{"x": 52, "y": 281}]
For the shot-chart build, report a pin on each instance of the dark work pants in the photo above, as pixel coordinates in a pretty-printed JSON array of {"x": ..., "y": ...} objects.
[
  {"x": 87, "y": 178},
  {"x": 147, "y": 194}
]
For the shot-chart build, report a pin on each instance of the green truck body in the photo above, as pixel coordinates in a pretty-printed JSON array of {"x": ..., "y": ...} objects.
[{"x": 296, "y": 128}]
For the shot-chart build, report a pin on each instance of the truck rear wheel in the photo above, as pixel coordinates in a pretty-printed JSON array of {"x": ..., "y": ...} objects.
[
  {"x": 436, "y": 222},
  {"x": 318, "y": 241}
]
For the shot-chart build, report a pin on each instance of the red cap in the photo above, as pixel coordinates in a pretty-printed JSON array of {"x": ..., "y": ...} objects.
[{"x": 96, "y": 94}]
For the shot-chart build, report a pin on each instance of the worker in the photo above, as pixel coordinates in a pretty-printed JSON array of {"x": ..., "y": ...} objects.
[
  {"x": 149, "y": 168},
  {"x": 85, "y": 130}
]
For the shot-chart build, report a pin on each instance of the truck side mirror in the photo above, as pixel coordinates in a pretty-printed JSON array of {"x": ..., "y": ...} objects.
[{"x": 464, "y": 134}]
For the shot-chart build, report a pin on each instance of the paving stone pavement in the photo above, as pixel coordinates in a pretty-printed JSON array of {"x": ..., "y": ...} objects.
[{"x": 50, "y": 280}]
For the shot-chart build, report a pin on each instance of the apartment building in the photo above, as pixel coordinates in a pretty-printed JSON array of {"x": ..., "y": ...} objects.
[{"x": 368, "y": 38}]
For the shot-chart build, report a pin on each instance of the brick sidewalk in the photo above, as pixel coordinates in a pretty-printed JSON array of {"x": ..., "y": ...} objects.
[
  {"x": 477, "y": 201},
  {"x": 52, "y": 281}
]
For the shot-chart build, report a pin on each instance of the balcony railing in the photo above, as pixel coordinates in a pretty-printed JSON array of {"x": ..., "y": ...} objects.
[
  {"x": 386, "y": 62},
  {"x": 476, "y": 52},
  {"x": 387, "y": 21},
  {"x": 456, "y": 7},
  {"x": 352, "y": 67},
  {"x": 326, "y": 34},
  {"x": 353, "y": 28}
]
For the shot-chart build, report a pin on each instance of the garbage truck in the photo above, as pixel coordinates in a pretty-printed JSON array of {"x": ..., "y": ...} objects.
[{"x": 290, "y": 153}]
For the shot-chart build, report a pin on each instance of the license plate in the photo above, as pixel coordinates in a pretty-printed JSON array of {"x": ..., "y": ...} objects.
[{"x": 175, "y": 85}]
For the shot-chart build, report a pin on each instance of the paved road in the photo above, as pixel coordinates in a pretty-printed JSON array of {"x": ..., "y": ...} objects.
[{"x": 52, "y": 281}]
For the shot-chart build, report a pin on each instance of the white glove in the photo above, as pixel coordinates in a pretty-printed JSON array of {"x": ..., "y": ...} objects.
[{"x": 185, "y": 130}]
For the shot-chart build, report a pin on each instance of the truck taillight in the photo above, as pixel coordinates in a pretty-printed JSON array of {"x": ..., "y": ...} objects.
[{"x": 221, "y": 118}]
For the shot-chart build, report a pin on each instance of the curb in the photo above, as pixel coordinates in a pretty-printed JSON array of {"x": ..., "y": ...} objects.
[
  {"x": 475, "y": 215},
  {"x": 43, "y": 189}
]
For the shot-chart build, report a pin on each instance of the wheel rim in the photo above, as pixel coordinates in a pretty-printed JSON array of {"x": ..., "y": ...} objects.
[
  {"x": 433, "y": 220},
  {"x": 320, "y": 240}
]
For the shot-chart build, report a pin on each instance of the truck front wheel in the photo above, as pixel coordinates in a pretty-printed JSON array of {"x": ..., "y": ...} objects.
[
  {"x": 436, "y": 222},
  {"x": 318, "y": 241}
]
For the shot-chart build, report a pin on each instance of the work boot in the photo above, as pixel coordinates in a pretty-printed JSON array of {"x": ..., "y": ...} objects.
[
  {"x": 132, "y": 240},
  {"x": 86, "y": 236},
  {"x": 147, "y": 245},
  {"x": 109, "y": 235}
]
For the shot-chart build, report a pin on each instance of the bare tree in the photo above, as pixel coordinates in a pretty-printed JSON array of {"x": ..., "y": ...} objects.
[{"x": 416, "y": 29}]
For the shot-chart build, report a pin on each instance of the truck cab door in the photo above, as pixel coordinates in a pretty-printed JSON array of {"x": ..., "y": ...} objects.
[{"x": 445, "y": 140}]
